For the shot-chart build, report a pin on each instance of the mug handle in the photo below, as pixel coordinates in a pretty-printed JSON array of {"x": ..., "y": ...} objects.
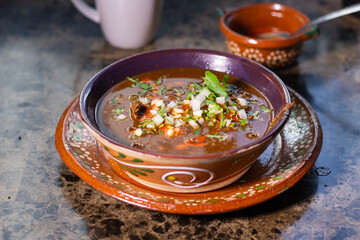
[{"x": 86, "y": 10}]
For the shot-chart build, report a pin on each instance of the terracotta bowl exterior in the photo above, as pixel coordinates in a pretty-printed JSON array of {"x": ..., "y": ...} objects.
[
  {"x": 182, "y": 173},
  {"x": 241, "y": 25}
]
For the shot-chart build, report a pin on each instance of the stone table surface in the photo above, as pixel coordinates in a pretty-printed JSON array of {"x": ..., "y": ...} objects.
[{"x": 48, "y": 51}]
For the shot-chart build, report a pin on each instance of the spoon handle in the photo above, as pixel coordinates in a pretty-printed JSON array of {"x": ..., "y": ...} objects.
[{"x": 348, "y": 10}]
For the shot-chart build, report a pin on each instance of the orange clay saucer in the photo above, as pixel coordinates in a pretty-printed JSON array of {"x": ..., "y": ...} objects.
[{"x": 284, "y": 163}]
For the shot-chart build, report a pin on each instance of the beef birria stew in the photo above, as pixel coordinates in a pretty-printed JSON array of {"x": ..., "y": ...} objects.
[{"x": 184, "y": 111}]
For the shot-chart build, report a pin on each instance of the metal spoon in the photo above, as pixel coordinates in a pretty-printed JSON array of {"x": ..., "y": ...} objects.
[{"x": 282, "y": 35}]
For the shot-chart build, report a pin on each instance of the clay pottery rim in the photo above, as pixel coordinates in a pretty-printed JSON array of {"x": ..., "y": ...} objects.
[{"x": 263, "y": 43}]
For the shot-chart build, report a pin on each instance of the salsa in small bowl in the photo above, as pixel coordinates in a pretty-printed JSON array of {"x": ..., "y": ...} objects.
[{"x": 184, "y": 120}]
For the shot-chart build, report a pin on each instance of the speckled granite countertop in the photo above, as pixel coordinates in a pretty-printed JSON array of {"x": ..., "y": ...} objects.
[{"x": 47, "y": 53}]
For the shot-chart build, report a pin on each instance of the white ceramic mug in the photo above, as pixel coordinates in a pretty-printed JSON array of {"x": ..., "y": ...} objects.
[{"x": 126, "y": 24}]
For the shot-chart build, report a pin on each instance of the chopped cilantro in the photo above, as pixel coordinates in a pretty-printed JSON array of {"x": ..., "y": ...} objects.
[
  {"x": 159, "y": 81},
  {"x": 132, "y": 80},
  {"x": 264, "y": 109},
  {"x": 218, "y": 136},
  {"x": 161, "y": 111},
  {"x": 210, "y": 114},
  {"x": 118, "y": 110},
  {"x": 188, "y": 97},
  {"x": 226, "y": 77},
  {"x": 161, "y": 90},
  {"x": 113, "y": 101},
  {"x": 197, "y": 131},
  {"x": 243, "y": 122},
  {"x": 197, "y": 86},
  {"x": 142, "y": 85},
  {"x": 143, "y": 92},
  {"x": 161, "y": 132},
  {"x": 256, "y": 115},
  {"x": 222, "y": 121}
]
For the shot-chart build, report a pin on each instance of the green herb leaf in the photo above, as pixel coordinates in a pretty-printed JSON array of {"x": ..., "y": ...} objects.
[
  {"x": 132, "y": 80},
  {"x": 118, "y": 110},
  {"x": 161, "y": 133},
  {"x": 198, "y": 87},
  {"x": 159, "y": 81},
  {"x": 222, "y": 120},
  {"x": 197, "y": 131},
  {"x": 264, "y": 109},
  {"x": 144, "y": 86},
  {"x": 226, "y": 77},
  {"x": 243, "y": 122},
  {"x": 161, "y": 111},
  {"x": 143, "y": 92},
  {"x": 220, "y": 137},
  {"x": 256, "y": 115},
  {"x": 188, "y": 97},
  {"x": 210, "y": 114},
  {"x": 161, "y": 90},
  {"x": 213, "y": 84},
  {"x": 113, "y": 101}
]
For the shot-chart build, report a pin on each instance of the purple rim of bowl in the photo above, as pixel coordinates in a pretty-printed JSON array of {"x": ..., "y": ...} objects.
[{"x": 252, "y": 72}]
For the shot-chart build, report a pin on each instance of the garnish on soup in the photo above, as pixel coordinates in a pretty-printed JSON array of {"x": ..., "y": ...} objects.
[{"x": 184, "y": 111}]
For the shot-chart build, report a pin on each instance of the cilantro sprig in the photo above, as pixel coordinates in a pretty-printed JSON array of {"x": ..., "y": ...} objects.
[
  {"x": 213, "y": 84},
  {"x": 142, "y": 85}
]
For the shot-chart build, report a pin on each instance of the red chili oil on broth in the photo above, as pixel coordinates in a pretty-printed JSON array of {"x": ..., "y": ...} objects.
[{"x": 184, "y": 111}]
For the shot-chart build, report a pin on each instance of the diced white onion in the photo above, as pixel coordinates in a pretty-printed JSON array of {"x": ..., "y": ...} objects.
[
  {"x": 206, "y": 92},
  {"x": 170, "y": 132},
  {"x": 227, "y": 122},
  {"x": 186, "y": 102},
  {"x": 144, "y": 100},
  {"x": 195, "y": 104},
  {"x": 220, "y": 100},
  {"x": 157, "y": 120},
  {"x": 178, "y": 110},
  {"x": 197, "y": 114},
  {"x": 242, "y": 101},
  {"x": 167, "y": 109},
  {"x": 138, "y": 132},
  {"x": 157, "y": 103},
  {"x": 179, "y": 123},
  {"x": 242, "y": 114},
  {"x": 228, "y": 100},
  {"x": 234, "y": 108},
  {"x": 169, "y": 120},
  {"x": 193, "y": 124},
  {"x": 201, "y": 120},
  {"x": 121, "y": 117},
  {"x": 153, "y": 112},
  {"x": 150, "y": 125},
  {"x": 176, "y": 116},
  {"x": 172, "y": 104},
  {"x": 153, "y": 102},
  {"x": 200, "y": 97}
]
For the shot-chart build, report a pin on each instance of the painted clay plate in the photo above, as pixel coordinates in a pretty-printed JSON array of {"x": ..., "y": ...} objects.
[{"x": 286, "y": 160}]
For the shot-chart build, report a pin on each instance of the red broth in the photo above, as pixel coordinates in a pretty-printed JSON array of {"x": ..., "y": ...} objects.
[{"x": 129, "y": 112}]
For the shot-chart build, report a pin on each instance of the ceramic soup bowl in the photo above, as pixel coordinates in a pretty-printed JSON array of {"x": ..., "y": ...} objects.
[
  {"x": 183, "y": 173},
  {"x": 242, "y": 27}
]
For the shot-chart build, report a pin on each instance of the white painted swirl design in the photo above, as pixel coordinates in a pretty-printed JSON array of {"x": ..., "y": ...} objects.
[{"x": 180, "y": 170}]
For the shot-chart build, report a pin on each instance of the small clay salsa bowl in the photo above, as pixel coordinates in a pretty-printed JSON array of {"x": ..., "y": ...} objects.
[
  {"x": 180, "y": 172},
  {"x": 242, "y": 27}
]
